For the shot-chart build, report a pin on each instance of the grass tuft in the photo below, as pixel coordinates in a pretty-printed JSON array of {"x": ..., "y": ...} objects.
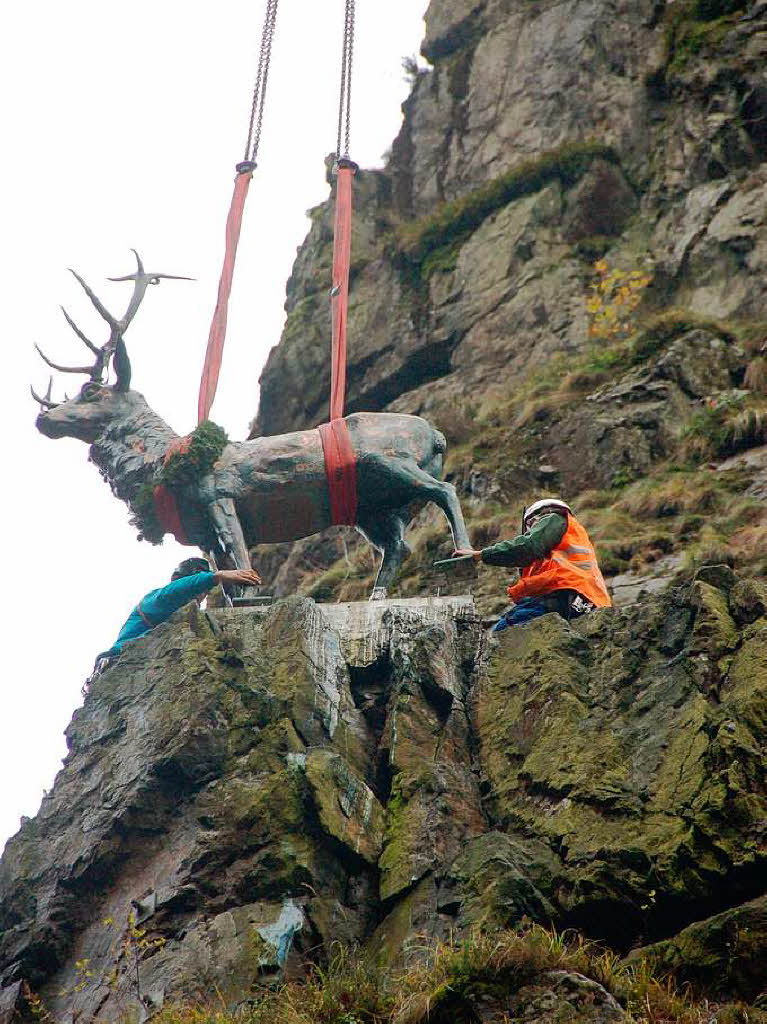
[
  {"x": 451, "y": 981},
  {"x": 725, "y": 427}
]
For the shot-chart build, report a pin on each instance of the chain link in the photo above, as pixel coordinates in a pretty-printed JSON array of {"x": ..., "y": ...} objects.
[
  {"x": 350, "y": 50},
  {"x": 262, "y": 76},
  {"x": 345, "y": 100}
]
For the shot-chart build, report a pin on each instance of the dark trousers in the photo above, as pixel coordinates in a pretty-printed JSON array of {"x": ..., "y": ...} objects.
[{"x": 560, "y": 601}]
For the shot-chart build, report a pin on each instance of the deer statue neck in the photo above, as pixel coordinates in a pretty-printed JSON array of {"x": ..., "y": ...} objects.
[{"x": 129, "y": 451}]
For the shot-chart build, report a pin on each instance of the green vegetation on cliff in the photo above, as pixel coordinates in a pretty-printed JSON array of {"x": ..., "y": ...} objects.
[
  {"x": 531, "y": 974},
  {"x": 697, "y": 27},
  {"x": 432, "y": 242}
]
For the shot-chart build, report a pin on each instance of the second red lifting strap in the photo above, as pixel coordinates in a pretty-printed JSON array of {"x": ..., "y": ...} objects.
[
  {"x": 340, "y": 462},
  {"x": 215, "y": 349},
  {"x": 341, "y": 472},
  {"x": 340, "y": 290}
]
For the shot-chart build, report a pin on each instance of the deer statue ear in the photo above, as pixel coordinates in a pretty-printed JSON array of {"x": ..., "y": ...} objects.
[{"x": 122, "y": 367}]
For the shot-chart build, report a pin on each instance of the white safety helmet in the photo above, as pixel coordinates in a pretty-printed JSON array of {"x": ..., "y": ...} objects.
[{"x": 538, "y": 506}]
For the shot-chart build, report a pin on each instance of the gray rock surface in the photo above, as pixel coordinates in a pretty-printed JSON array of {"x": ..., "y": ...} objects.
[
  {"x": 509, "y": 82},
  {"x": 246, "y": 786},
  {"x": 221, "y": 808}
]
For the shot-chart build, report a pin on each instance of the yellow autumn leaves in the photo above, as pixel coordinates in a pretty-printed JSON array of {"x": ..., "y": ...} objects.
[{"x": 612, "y": 300}]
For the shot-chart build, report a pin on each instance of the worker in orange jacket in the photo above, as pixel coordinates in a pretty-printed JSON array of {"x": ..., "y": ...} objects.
[{"x": 559, "y": 566}]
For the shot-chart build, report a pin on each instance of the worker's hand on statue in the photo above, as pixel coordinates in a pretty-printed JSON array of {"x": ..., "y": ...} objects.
[
  {"x": 243, "y": 577},
  {"x": 465, "y": 552}
]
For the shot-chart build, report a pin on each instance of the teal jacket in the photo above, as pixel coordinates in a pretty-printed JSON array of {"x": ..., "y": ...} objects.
[
  {"x": 159, "y": 605},
  {"x": 528, "y": 547}
]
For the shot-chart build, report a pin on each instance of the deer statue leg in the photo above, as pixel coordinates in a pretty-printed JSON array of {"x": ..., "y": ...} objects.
[
  {"x": 217, "y": 560},
  {"x": 232, "y": 551},
  {"x": 386, "y": 531},
  {"x": 405, "y": 479},
  {"x": 442, "y": 494}
]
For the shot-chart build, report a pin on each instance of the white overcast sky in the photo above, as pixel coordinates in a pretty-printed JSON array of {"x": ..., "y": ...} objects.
[{"x": 120, "y": 127}]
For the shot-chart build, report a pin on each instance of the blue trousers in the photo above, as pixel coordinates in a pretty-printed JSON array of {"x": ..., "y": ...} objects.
[{"x": 527, "y": 609}]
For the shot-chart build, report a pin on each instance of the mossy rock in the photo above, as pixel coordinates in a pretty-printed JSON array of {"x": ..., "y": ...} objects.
[
  {"x": 347, "y": 808},
  {"x": 315, "y": 696},
  {"x": 432, "y": 243},
  {"x": 647, "y": 780},
  {"x": 412, "y": 916},
  {"x": 748, "y": 600},
  {"x": 431, "y": 815},
  {"x": 697, "y": 27},
  {"x": 498, "y": 880},
  {"x": 722, "y": 955}
]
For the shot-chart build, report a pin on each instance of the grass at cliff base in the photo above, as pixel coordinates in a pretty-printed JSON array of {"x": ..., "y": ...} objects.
[{"x": 445, "y": 983}]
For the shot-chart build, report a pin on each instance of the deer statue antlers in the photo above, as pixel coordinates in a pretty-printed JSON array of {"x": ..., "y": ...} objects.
[
  {"x": 44, "y": 403},
  {"x": 115, "y": 346}
]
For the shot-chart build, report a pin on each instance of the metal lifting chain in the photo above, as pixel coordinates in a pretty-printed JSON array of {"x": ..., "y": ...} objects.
[
  {"x": 345, "y": 100},
  {"x": 262, "y": 75}
]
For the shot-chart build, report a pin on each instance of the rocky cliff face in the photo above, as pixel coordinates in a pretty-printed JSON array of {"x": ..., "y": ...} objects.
[
  {"x": 677, "y": 95},
  {"x": 562, "y": 265},
  {"x": 244, "y": 789},
  {"x": 545, "y": 138}
]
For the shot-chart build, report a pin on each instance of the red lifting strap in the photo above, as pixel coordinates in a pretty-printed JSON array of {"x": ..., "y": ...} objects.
[
  {"x": 167, "y": 513},
  {"x": 340, "y": 292},
  {"x": 215, "y": 350},
  {"x": 165, "y": 506},
  {"x": 341, "y": 471},
  {"x": 340, "y": 463}
]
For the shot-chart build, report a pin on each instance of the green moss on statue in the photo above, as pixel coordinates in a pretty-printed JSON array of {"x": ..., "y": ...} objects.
[
  {"x": 206, "y": 444},
  {"x": 184, "y": 468},
  {"x": 144, "y": 517}
]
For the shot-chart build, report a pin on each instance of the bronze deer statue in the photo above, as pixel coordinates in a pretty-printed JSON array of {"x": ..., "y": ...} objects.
[{"x": 266, "y": 490}]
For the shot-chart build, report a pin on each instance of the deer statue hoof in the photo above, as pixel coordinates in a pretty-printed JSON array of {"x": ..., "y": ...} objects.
[{"x": 379, "y": 594}]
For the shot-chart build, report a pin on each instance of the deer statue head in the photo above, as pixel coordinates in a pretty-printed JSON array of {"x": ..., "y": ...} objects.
[{"x": 98, "y": 403}]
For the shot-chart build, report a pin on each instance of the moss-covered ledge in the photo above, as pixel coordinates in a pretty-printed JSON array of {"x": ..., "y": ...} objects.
[{"x": 422, "y": 244}]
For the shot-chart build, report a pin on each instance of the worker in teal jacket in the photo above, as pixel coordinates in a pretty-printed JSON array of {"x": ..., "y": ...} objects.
[{"x": 190, "y": 581}]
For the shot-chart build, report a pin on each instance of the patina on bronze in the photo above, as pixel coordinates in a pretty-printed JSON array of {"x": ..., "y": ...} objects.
[{"x": 267, "y": 490}]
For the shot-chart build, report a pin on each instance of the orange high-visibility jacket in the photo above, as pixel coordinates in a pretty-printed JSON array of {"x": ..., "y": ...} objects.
[{"x": 571, "y": 565}]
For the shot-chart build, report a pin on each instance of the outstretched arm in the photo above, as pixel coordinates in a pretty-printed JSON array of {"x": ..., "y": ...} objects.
[
  {"x": 527, "y": 547},
  {"x": 161, "y": 604}
]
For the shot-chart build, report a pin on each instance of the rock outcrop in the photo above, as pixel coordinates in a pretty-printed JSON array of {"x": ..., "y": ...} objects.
[
  {"x": 246, "y": 788},
  {"x": 666, "y": 109},
  {"x": 547, "y": 139}
]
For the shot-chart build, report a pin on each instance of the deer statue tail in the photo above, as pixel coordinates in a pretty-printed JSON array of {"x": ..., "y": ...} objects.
[{"x": 433, "y": 462}]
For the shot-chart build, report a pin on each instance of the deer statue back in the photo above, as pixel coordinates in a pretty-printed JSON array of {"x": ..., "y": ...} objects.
[{"x": 266, "y": 490}]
